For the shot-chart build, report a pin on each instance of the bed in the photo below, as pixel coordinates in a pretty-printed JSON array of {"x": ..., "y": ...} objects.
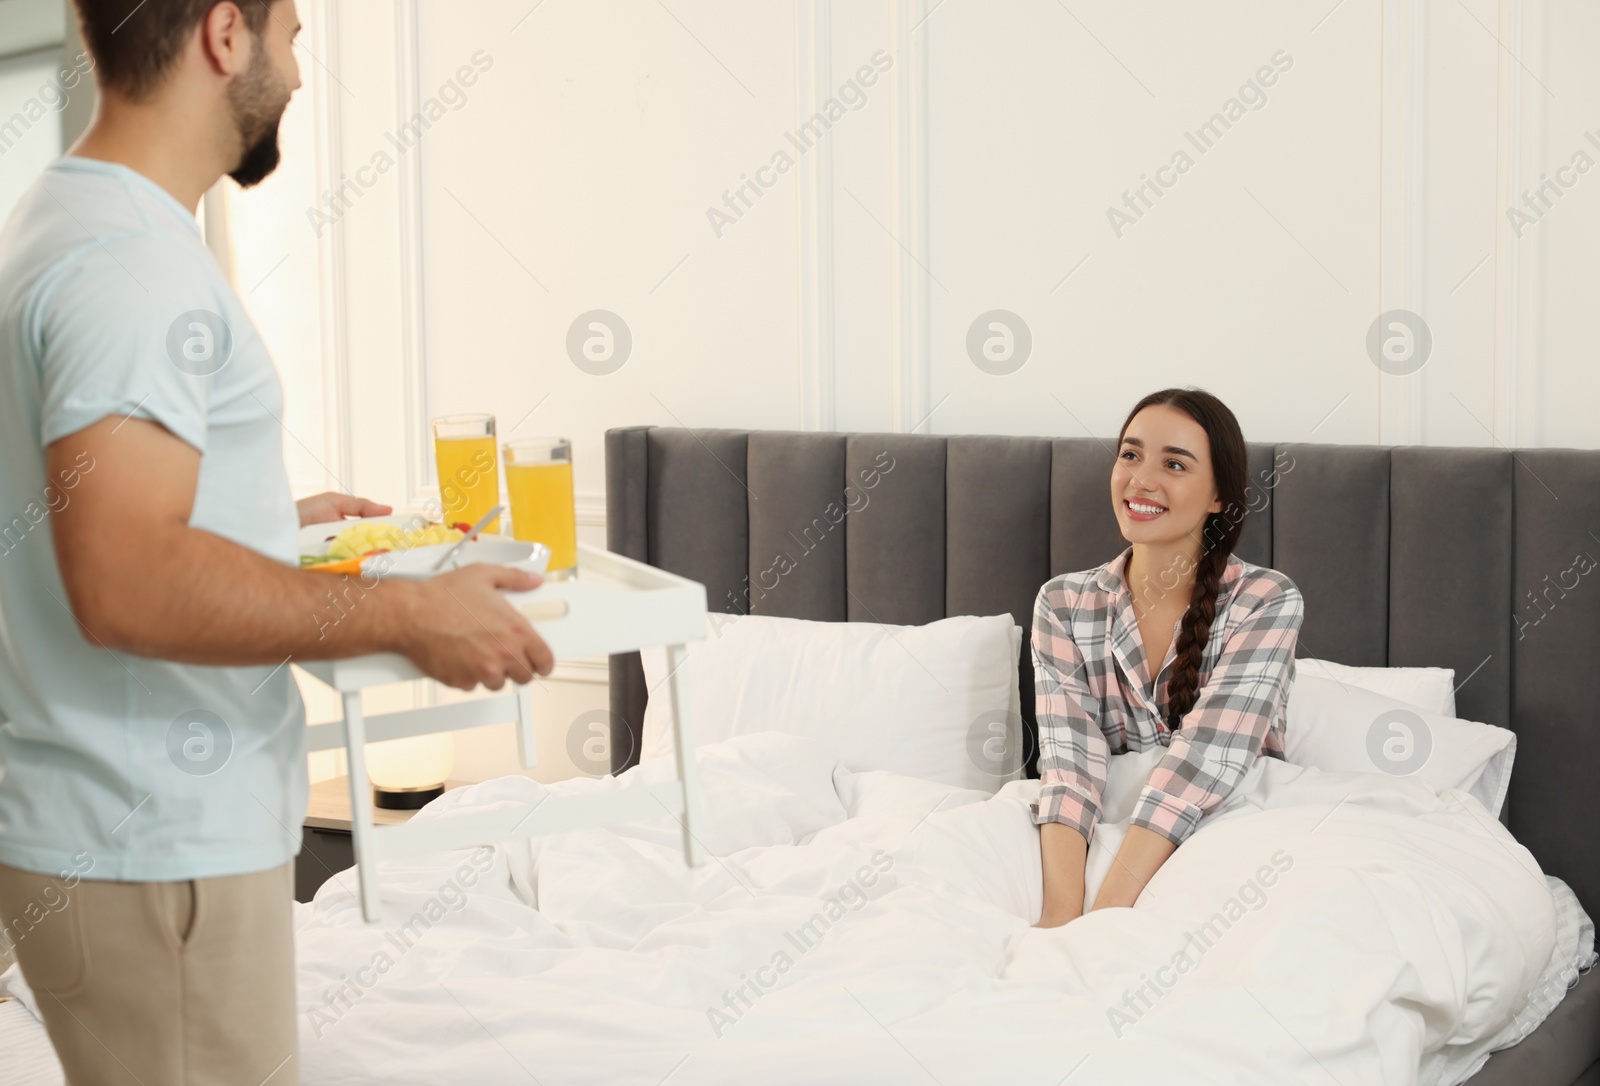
[
  {"x": 596, "y": 957},
  {"x": 1448, "y": 557}
]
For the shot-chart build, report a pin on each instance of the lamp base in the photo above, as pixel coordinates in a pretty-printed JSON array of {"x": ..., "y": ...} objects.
[{"x": 405, "y": 799}]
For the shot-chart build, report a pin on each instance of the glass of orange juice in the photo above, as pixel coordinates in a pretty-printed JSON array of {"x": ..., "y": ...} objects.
[
  {"x": 539, "y": 477},
  {"x": 469, "y": 475}
]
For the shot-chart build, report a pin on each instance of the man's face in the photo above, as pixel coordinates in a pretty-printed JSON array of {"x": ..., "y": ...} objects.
[{"x": 258, "y": 97}]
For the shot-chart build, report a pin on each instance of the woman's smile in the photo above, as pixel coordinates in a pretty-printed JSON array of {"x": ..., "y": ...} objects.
[{"x": 1138, "y": 509}]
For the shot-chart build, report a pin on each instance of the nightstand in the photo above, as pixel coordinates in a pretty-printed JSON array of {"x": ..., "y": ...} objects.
[{"x": 326, "y": 847}]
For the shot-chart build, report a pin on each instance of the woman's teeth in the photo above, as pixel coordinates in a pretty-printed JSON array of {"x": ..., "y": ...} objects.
[{"x": 1145, "y": 509}]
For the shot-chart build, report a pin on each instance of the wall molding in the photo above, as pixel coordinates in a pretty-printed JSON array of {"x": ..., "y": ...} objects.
[
  {"x": 1402, "y": 208},
  {"x": 813, "y": 65},
  {"x": 1518, "y": 262},
  {"x": 413, "y": 274},
  {"x": 591, "y": 509},
  {"x": 911, "y": 377},
  {"x": 216, "y": 224},
  {"x": 332, "y": 261}
]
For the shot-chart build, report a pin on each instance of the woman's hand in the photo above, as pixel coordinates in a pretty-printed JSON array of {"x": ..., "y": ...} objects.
[
  {"x": 1136, "y": 862},
  {"x": 1063, "y": 853},
  {"x": 332, "y": 506},
  {"x": 1056, "y": 917}
]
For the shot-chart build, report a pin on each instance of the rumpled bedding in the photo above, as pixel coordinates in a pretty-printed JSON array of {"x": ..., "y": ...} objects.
[{"x": 875, "y": 928}]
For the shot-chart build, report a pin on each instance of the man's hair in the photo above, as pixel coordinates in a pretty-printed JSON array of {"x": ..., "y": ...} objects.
[{"x": 134, "y": 44}]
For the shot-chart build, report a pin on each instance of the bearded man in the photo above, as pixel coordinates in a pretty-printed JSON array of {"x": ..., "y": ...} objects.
[{"x": 152, "y": 739}]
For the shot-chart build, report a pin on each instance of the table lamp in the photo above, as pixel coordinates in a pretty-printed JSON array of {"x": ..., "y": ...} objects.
[{"x": 410, "y": 773}]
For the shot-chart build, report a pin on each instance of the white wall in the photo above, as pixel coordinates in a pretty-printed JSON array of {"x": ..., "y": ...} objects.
[
  {"x": 42, "y": 92},
  {"x": 576, "y": 171},
  {"x": 30, "y": 133}
]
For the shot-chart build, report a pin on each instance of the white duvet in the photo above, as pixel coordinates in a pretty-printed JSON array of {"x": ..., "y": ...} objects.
[{"x": 874, "y": 928}]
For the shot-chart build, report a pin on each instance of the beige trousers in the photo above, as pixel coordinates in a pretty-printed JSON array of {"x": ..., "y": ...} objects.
[{"x": 177, "y": 983}]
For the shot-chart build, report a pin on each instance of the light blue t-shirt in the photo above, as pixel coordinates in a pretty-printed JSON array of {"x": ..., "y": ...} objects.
[{"x": 110, "y": 306}]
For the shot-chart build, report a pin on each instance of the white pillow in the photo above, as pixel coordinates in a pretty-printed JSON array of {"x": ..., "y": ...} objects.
[
  {"x": 1433, "y": 688},
  {"x": 938, "y": 701},
  {"x": 1350, "y": 729}
]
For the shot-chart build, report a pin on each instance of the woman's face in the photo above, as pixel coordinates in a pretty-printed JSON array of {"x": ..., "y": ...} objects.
[{"x": 1162, "y": 486}]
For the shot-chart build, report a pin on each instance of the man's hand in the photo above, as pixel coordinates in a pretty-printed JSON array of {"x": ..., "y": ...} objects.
[
  {"x": 462, "y": 631},
  {"x": 332, "y": 506}
]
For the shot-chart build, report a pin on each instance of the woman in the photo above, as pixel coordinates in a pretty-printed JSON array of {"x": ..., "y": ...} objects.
[{"x": 1223, "y": 629}]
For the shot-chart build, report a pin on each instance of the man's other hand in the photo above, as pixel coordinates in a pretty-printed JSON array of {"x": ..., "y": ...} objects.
[{"x": 332, "y": 506}]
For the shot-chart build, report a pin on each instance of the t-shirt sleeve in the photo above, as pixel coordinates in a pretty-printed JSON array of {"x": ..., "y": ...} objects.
[{"x": 130, "y": 332}]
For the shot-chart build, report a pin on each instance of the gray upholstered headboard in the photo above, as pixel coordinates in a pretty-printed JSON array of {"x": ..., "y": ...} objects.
[{"x": 1481, "y": 560}]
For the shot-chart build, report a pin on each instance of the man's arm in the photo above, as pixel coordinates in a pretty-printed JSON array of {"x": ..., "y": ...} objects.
[{"x": 141, "y": 580}]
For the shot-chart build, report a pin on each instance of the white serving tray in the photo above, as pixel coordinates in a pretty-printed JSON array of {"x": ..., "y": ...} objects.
[{"x": 615, "y": 604}]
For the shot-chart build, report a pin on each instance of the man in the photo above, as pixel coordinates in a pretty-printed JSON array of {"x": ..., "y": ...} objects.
[{"x": 152, "y": 766}]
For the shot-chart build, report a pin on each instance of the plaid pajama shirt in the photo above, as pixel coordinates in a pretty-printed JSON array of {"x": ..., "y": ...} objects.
[{"x": 1095, "y": 700}]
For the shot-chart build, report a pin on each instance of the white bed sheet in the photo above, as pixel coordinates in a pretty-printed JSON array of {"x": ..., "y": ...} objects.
[
  {"x": 26, "y": 1058},
  {"x": 1400, "y": 939},
  {"x": 879, "y": 928}
]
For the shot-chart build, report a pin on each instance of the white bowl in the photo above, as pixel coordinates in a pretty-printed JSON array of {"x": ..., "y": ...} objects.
[{"x": 417, "y": 564}]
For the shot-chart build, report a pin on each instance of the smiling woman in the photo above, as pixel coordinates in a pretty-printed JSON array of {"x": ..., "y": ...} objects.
[
  {"x": 1170, "y": 503},
  {"x": 1176, "y": 642}
]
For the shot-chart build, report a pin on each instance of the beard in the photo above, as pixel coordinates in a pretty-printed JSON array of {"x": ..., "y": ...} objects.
[
  {"x": 256, "y": 101},
  {"x": 258, "y": 160}
]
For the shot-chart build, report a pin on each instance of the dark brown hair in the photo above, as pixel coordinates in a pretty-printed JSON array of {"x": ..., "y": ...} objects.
[
  {"x": 1219, "y": 535},
  {"x": 134, "y": 44}
]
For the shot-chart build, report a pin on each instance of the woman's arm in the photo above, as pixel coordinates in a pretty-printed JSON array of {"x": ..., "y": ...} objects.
[
  {"x": 1142, "y": 853},
  {"x": 1072, "y": 758},
  {"x": 1064, "y": 853}
]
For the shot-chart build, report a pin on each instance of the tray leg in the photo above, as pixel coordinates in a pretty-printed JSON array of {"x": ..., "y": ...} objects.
[
  {"x": 683, "y": 743},
  {"x": 527, "y": 744},
  {"x": 355, "y": 732}
]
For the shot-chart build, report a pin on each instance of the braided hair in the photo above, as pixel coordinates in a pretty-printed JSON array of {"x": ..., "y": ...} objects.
[{"x": 1219, "y": 535}]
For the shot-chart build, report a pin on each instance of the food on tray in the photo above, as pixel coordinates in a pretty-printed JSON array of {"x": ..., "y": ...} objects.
[
  {"x": 362, "y": 539},
  {"x": 372, "y": 537}
]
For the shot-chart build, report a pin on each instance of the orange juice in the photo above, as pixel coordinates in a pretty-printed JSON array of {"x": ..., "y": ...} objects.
[
  {"x": 542, "y": 511},
  {"x": 469, "y": 480}
]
